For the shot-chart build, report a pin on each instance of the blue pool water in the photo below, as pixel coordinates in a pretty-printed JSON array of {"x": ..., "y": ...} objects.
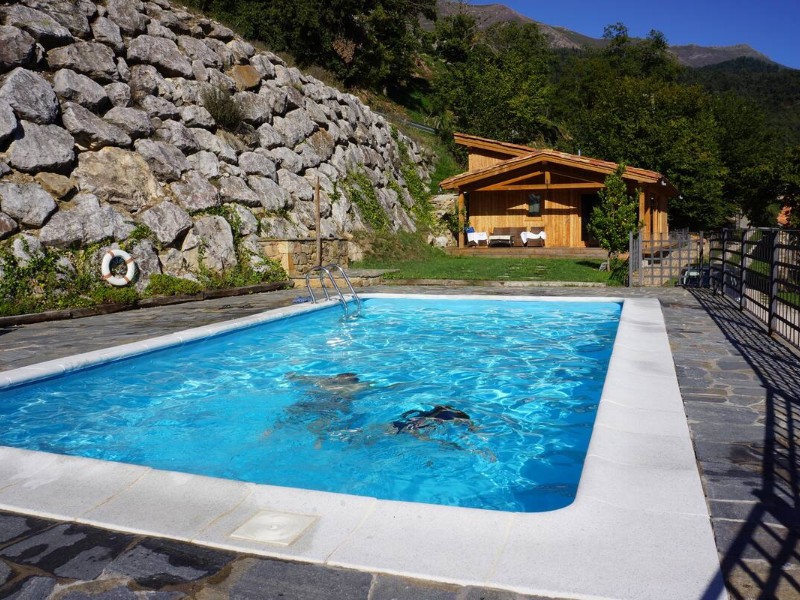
[{"x": 270, "y": 403}]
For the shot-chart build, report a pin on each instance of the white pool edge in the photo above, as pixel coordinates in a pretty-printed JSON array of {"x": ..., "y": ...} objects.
[{"x": 639, "y": 527}]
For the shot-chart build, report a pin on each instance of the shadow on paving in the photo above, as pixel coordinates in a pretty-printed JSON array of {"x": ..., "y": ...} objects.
[{"x": 759, "y": 545}]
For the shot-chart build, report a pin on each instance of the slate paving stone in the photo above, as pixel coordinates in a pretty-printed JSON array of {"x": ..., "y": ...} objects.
[
  {"x": 5, "y": 572},
  {"x": 255, "y": 579},
  {"x": 772, "y": 543},
  {"x": 14, "y": 526},
  {"x": 155, "y": 563},
  {"x": 69, "y": 550},
  {"x": 33, "y": 588}
]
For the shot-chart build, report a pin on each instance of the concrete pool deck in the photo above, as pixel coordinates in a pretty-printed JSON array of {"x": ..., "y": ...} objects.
[{"x": 57, "y": 339}]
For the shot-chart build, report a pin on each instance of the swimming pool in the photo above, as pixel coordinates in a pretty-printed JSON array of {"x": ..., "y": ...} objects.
[
  {"x": 352, "y": 405},
  {"x": 638, "y": 528}
]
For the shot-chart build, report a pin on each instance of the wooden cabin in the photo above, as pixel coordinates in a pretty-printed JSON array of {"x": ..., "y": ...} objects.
[{"x": 515, "y": 187}]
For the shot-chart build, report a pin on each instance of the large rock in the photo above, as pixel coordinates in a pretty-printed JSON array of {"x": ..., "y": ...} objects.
[
  {"x": 160, "y": 52},
  {"x": 7, "y": 227},
  {"x": 255, "y": 108},
  {"x": 125, "y": 14},
  {"x": 287, "y": 159},
  {"x": 72, "y": 14},
  {"x": 90, "y": 131},
  {"x": 196, "y": 49},
  {"x": 178, "y": 135},
  {"x": 166, "y": 161},
  {"x": 41, "y": 148},
  {"x": 145, "y": 80},
  {"x": 107, "y": 32},
  {"x": 297, "y": 186},
  {"x": 255, "y": 163},
  {"x": 119, "y": 93},
  {"x": 268, "y": 137},
  {"x": 206, "y": 163},
  {"x": 197, "y": 116},
  {"x": 117, "y": 175},
  {"x": 86, "y": 223},
  {"x": 246, "y": 221},
  {"x": 74, "y": 87},
  {"x": 136, "y": 123},
  {"x": 159, "y": 108},
  {"x": 17, "y": 48},
  {"x": 234, "y": 189},
  {"x": 211, "y": 237},
  {"x": 147, "y": 263},
  {"x": 26, "y": 203},
  {"x": 90, "y": 58},
  {"x": 294, "y": 127},
  {"x": 214, "y": 143},
  {"x": 54, "y": 184},
  {"x": 272, "y": 196},
  {"x": 30, "y": 95},
  {"x": 44, "y": 28},
  {"x": 8, "y": 122},
  {"x": 246, "y": 77},
  {"x": 167, "y": 221},
  {"x": 194, "y": 192},
  {"x": 263, "y": 65}
]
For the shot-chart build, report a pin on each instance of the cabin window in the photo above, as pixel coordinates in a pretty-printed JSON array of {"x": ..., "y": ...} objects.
[{"x": 534, "y": 205}]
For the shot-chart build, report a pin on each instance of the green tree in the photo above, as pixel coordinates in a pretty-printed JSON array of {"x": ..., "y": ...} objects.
[
  {"x": 790, "y": 184},
  {"x": 501, "y": 90},
  {"x": 616, "y": 216}
]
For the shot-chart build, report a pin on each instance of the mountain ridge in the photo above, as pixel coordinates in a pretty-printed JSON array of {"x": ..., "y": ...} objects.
[{"x": 691, "y": 55}]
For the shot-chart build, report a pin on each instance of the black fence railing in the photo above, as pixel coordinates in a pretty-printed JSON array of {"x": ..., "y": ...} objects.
[
  {"x": 759, "y": 269},
  {"x": 664, "y": 259}
]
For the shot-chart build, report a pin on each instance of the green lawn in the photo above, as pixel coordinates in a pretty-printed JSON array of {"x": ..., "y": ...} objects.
[{"x": 495, "y": 269}]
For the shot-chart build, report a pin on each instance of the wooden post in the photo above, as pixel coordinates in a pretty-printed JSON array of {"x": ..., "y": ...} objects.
[
  {"x": 460, "y": 212},
  {"x": 318, "y": 224}
]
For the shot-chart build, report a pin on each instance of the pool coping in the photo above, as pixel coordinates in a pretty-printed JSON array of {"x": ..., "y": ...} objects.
[{"x": 639, "y": 527}]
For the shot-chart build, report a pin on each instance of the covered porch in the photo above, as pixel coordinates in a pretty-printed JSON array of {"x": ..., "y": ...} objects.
[{"x": 510, "y": 189}]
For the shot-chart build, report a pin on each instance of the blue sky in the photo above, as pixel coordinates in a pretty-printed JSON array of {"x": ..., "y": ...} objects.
[{"x": 769, "y": 26}]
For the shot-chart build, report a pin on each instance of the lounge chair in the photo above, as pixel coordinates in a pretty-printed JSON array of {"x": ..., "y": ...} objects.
[
  {"x": 535, "y": 238},
  {"x": 506, "y": 236}
]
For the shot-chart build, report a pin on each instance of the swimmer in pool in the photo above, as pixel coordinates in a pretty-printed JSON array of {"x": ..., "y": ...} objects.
[{"x": 415, "y": 420}]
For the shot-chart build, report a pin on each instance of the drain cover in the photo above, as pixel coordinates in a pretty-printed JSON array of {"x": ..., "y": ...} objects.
[{"x": 272, "y": 527}]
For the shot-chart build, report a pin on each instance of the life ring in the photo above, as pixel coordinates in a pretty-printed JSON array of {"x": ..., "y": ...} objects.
[{"x": 105, "y": 268}]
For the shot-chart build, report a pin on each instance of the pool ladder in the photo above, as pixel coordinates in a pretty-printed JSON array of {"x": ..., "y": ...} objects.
[{"x": 326, "y": 274}]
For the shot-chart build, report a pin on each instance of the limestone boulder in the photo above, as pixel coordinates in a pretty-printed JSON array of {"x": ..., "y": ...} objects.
[
  {"x": 287, "y": 159},
  {"x": 167, "y": 221},
  {"x": 147, "y": 263},
  {"x": 8, "y": 122},
  {"x": 197, "y": 49},
  {"x": 268, "y": 137},
  {"x": 87, "y": 222},
  {"x": 145, "y": 80},
  {"x": 90, "y": 131},
  {"x": 54, "y": 184},
  {"x": 161, "y": 53},
  {"x": 234, "y": 189},
  {"x": 107, "y": 31},
  {"x": 193, "y": 192},
  {"x": 136, "y": 123},
  {"x": 41, "y": 148},
  {"x": 246, "y": 221},
  {"x": 7, "y": 226},
  {"x": 90, "y": 58},
  {"x": 294, "y": 127},
  {"x": 166, "y": 161},
  {"x": 246, "y": 77},
  {"x": 214, "y": 143},
  {"x": 177, "y": 134},
  {"x": 159, "y": 108},
  {"x": 156, "y": 29},
  {"x": 206, "y": 163},
  {"x": 272, "y": 196},
  {"x": 119, "y": 93},
  {"x": 117, "y": 175},
  {"x": 26, "y": 203},
  {"x": 197, "y": 116},
  {"x": 212, "y": 238},
  {"x": 263, "y": 65},
  {"x": 125, "y": 14},
  {"x": 70, "y": 86},
  {"x": 30, "y": 95},
  {"x": 278, "y": 97},
  {"x": 42, "y": 27},
  {"x": 17, "y": 48},
  {"x": 255, "y": 163},
  {"x": 72, "y": 14},
  {"x": 242, "y": 51},
  {"x": 298, "y": 187},
  {"x": 255, "y": 108}
]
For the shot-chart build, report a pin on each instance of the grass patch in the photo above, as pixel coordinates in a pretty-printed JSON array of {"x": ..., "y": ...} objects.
[{"x": 439, "y": 265}]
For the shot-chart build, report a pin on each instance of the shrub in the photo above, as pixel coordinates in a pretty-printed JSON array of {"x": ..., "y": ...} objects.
[
  {"x": 169, "y": 285},
  {"x": 223, "y": 107}
]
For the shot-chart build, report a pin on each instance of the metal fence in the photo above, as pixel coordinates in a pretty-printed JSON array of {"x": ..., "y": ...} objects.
[
  {"x": 664, "y": 259},
  {"x": 759, "y": 269}
]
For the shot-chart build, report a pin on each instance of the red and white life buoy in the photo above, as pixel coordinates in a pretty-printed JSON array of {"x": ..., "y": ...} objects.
[{"x": 105, "y": 268}]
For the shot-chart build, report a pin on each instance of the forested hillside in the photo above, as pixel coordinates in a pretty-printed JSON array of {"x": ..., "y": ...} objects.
[{"x": 727, "y": 136}]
